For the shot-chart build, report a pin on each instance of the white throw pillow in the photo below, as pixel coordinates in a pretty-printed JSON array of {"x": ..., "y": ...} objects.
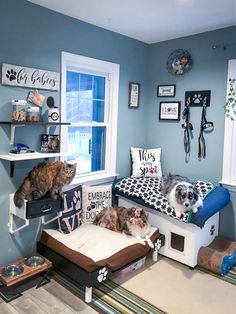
[
  {"x": 146, "y": 162},
  {"x": 94, "y": 199}
]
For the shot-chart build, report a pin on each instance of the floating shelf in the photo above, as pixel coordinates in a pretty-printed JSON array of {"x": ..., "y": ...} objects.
[
  {"x": 28, "y": 156},
  {"x": 14, "y": 125},
  {"x": 34, "y": 123}
]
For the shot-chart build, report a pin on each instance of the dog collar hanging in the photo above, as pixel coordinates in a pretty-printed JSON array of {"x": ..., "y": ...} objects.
[
  {"x": 205, "y": 126},
  {"x": 188, "y": 127}
]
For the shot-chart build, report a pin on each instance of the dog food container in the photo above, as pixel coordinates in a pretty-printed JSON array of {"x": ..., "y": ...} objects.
[
  {"x": 33, "y": 114},
  {"x": 53, "y": 115},
  {"x": 19, "y": 110}
]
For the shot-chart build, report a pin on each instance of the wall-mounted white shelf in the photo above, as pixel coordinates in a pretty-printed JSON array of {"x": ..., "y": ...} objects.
[
  {"x": 14, "y": 125},
  {"x": 28, "y": 156},
  {"x": 20, "y": 214}
]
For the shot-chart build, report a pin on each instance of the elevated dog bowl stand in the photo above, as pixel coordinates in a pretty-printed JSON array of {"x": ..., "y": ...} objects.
[{"x": 8, "y": 285}]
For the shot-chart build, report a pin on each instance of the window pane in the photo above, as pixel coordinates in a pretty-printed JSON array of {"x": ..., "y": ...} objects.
[
  {"x": 72, "y": 81},
  {"x": 98, "y": 110},
  {"x": 87, "y": 146},
  {"x": 99, "y": 87},
  {"x": 84, "y": 97},
  {"x": 86, "y": 82}
]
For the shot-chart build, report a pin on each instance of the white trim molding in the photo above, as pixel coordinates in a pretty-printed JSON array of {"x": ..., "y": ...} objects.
[
  {"x": 229, "y": 156},
  {"x": 110, "y": 71}
]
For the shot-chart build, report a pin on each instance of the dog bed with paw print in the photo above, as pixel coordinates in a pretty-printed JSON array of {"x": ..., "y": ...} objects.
[
  {"x": 91, "y": 247},
  {"x": 146, "y": 192}
]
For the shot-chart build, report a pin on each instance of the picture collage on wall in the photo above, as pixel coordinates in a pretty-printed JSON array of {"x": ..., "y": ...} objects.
[
  {"x": 171, "y": 111},
  {"x": 168, "y": 110}
]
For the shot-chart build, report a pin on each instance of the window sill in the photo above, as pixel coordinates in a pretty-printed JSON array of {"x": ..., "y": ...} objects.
[
  {"x": 93, "y": 179},
  {"x": 231, "y": 186}
]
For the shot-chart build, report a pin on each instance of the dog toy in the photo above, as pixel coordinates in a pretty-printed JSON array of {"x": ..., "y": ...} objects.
[{"x": 190, "y": 213}]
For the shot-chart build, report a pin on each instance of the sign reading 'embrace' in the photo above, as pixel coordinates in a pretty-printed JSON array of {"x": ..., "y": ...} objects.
[{"x": 15, "y": 75}]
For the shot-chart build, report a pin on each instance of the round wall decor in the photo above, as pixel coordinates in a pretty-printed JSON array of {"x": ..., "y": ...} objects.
[{"x": 179, "y": 62}]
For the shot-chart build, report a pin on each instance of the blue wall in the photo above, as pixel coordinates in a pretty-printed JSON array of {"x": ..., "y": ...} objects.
[
  {"x": 35, "y": 38},
  {"x": 209, "y": 72}
]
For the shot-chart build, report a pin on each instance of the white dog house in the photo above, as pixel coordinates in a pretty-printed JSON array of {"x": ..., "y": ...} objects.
[{"x": 182, "y": 240}]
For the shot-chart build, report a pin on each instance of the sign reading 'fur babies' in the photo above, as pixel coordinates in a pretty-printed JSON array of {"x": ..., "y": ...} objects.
[
  {"x": 20, "y": 76},
  {"x": 95, "y": 198}
]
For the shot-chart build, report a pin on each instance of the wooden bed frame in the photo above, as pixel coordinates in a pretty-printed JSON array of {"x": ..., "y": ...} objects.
[{"x": 81, "y": 276}]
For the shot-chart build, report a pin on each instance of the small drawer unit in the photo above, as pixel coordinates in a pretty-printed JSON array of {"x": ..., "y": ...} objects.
[
  {"x": 34, "y": 209},
  {"x": 43, "y": 207}
]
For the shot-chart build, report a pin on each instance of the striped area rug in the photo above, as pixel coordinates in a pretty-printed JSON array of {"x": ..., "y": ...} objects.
[
  {"x": 117, "y": 299},
  {"x": 112, "y": 298},
  {"x": 229, "y": 277}
]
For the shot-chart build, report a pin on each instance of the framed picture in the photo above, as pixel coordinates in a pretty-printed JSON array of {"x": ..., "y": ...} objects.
[
  {"x": 169, "y": 110},
  {"x": 50, "y": 143},
  {"x": 166, "y": 90},
  {"x": 134, "y": 95}
]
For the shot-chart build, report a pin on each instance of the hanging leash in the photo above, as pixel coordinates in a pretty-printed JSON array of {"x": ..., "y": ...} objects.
[
  {"x": 205, "y": 126},
  {"x": 188, "y": 127}
]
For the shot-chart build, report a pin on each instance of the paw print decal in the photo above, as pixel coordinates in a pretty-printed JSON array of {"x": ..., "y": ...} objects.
[
  {"x": 102, "y": 275},
  {"x": 157, "y": 245},
  {"x": 11, "y": 75},
  {"x": 152, "y": 170},
  {"x": 76, "y": 200},
  {"x": 212, "y": 230},
  {"x": 197, "y": 98},
  {"x": 91, "y": 206}
]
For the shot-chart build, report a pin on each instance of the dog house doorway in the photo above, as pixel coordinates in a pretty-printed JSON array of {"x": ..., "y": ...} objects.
[{"x": 177, "y": 242}]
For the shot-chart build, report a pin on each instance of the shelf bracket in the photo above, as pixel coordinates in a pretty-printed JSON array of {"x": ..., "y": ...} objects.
[
  {"x": 47, "y": 127},
  {"x": 12, "y": 167},
  {"x": 11, "y": 224},
  {"x": 13, "y": 128},
  {"x": 45, "y": 222},
  {"x": 18, "y": 213}
]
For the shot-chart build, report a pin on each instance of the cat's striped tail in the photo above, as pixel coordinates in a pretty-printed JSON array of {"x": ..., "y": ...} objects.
[{"x": 22, "y": 192}]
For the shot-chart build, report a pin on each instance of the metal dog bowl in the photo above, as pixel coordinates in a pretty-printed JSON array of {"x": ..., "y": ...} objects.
[
  {"x": 12, "y": 270},
  {"x": 35, "y": 261}
]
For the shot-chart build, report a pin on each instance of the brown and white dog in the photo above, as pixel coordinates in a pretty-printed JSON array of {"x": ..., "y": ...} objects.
[{"x": 132, "y": 221}]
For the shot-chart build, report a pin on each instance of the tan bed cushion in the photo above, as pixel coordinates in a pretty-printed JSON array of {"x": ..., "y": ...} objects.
[{"x": 92, "y": 247}]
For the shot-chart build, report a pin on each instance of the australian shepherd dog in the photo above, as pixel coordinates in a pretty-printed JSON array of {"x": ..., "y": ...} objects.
[{"x": 181, "y": 193}]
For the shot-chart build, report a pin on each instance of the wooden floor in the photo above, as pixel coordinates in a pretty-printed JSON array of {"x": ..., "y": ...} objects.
[{"x": 51, "y": 298}]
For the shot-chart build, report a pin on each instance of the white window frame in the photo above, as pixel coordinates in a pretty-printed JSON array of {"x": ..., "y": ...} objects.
[
  {"x": 111, "y": 71},
  {"x": 229, "y": 156}
]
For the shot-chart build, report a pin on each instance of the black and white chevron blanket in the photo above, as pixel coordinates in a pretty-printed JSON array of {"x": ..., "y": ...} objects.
[{"x": 148, "y": 190}]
